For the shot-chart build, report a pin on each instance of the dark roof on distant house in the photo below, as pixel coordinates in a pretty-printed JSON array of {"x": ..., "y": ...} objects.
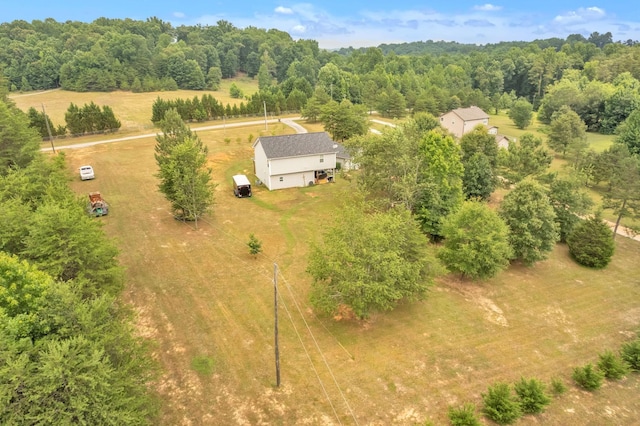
[
  {"x": 341, "y": 152},
  {"x": 297, "y": 145},
  {"x": 471, "y": 113}
]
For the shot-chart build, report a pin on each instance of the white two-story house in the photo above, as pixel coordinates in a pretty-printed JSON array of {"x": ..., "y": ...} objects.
[{"x": 296, "y": 160}]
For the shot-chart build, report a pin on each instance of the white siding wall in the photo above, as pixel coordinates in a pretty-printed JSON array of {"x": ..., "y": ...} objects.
[
  {"x": 291, "y": 180},
  {"x": 261, "y": 165},
  {"x": 282, "y": 166},
  {"x": 471, "y": 124},
  {"x": 452, "y": 123},
  {"x": 295, "y": 171}
]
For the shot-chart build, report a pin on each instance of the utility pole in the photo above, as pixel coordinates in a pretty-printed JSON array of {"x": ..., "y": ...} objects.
[
  {"x": 275, "y": 306},
  {"x": 46, "y": 120},
  {"x": 264, "y": 103}
]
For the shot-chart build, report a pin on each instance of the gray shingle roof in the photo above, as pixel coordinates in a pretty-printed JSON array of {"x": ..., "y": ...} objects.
[
  {"x": 296, "y": 145},
  {"x": 341, "y": 152},
  {"x": 471, "y": 113}
]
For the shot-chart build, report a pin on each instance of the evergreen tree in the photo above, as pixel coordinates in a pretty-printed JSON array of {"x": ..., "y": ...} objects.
[
  {"x": 532, "y": 395},
  {"x": 524, "y": 158},
  {"x": 185, "y": 179},
  {"x": 591, "y": 243},
  {"x": 500, "y": 405},
  {"x": 569, "y": 201},
  {"x": 255, "y": 245}
]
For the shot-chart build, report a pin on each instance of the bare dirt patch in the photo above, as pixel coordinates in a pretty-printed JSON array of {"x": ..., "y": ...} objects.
[{"x": 476, "y": 295}]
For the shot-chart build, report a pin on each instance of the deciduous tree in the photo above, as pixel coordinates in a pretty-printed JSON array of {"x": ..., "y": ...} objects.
[
  {"x": 344, "y": 120},
  {"x": 524, "y": 158},
  {"x": 521, "y": 113},
  {"x": 567, "y": 130},
  {"x": 528, "y": 212},
  {"x": 628, "y": 132},
  {"x": 19, "y": 143},
  {"x": 369, "y": 262},
  {"x": 479, "y": 180},
  {"x": 476, "y": 241},
  {"x": 77, "y": 357}
]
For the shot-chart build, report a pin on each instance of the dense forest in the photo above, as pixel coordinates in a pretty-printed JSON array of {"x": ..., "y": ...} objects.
[{"x": 598, "y": 76}]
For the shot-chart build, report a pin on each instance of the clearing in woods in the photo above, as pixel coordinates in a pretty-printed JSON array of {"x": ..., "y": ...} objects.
[{"x": 207, "y": 304}]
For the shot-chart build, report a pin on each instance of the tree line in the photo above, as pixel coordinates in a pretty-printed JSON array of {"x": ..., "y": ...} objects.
[
  {"x": 111, "y": 54},
  {"x": 87, "y": 119},
  {"x": 69, "y": 353}
]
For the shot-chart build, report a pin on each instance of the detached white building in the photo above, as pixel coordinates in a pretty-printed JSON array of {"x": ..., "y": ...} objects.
[{"x": 296, "y": 160}]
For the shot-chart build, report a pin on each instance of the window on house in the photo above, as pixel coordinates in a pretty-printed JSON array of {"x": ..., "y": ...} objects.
[
  {"x": 322, "y": 158},
  {"x": 281, "y": 179}
]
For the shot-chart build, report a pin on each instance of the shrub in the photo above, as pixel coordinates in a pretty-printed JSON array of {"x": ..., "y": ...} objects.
[
  {"x": 591, "y": 243},
  {"x": 500, "y": 405},
  {"x": 533, "y": 398},
  {"x": 203, "y": 365},
  {"x": 557, "y": 386},
  {"x": 235, "y": 92},
  {"x": 613, "y": 366},
  {"x": 588, "y": 377},
  {"x": 464, "y": 416},
  {"x": 630, "y": 353}
]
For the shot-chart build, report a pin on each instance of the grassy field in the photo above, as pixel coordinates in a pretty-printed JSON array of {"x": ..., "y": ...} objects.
[
  {"x": 597, "y": 142},
  {"x": 132, "y": 109},
  {"x": 207, "y": 304}
]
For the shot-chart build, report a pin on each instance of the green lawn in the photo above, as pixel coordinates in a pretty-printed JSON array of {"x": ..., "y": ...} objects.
[{"x": 597, "y": 141}]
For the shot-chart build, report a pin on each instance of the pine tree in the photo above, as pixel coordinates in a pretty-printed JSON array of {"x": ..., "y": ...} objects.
[
  {"x": 255, "y": 245},
  {"x": 185, "y": 179}
]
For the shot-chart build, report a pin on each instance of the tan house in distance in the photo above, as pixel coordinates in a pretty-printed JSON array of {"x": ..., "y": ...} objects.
[{"x": 462, "y": 120}]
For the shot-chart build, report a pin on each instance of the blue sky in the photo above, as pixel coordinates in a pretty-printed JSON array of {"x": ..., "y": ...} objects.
[{"x": 357, "y": 23}]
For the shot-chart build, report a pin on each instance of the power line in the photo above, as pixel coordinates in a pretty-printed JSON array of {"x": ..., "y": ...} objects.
[
  {"x": 324, "y": 390},
  {"x": 233, "y": 237},
  {"x": 324, "y": 359}
]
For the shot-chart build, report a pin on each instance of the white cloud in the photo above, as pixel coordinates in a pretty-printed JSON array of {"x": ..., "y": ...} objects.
[
  {"x": 487, "y": 23},
  {"x": 298, "y": 29},
  {"x": 580, "y": 15},
  {"x": 284, "y": 10},
  {"x": 179, "y": 15},
  {"x": 487, "y": 7}
]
